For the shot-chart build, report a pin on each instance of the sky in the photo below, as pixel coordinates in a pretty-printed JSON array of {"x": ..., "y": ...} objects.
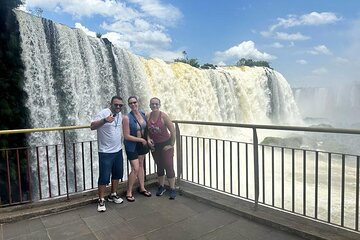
[{"x": 312, "y": 43}]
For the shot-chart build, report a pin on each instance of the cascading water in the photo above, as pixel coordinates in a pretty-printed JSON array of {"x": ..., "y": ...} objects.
[
  {"x": 338, "y": 106},
  {"x": 71, "y": 76}
]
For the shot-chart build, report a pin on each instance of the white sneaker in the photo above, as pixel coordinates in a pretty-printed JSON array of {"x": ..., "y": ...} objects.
[
  {"x": 101, "y": 205},
  {"x": 115, "y": 198}
]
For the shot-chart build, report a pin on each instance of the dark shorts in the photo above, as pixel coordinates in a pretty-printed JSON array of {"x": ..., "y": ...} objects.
[
  {"x": 139, "y": 150},
  {"x": 110, "y": 164}
]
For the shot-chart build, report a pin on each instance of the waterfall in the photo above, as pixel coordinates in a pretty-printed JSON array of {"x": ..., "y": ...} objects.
[
  {"x": 339, "y": 106},
  {"x": 70, "y": 76}
]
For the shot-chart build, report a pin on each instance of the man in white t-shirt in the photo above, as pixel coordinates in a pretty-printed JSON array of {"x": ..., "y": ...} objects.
[{"x": 108, "y": 123}]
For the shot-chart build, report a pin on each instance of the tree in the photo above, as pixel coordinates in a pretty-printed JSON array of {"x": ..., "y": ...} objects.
[
  {"x": 208, "y": 66},
  {"x": 192, "y": 61},
  {"x": 252, "y": 63}
]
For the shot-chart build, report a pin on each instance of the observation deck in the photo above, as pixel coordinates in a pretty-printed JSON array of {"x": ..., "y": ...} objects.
[{"x": 267, "y": 194}]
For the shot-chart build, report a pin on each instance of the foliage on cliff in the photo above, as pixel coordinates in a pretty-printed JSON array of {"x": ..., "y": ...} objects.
[
  {"x": 13, "y": 112},
  {"x": 252, "y": 63}
]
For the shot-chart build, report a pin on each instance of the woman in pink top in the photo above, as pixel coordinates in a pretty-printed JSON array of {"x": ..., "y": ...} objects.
[{"x": 161, "y": 139}]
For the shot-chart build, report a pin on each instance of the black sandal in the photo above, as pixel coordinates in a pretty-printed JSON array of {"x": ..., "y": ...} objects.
[
  {"x": 145, "y": 193},
  {"x": 130, "y": 198}
]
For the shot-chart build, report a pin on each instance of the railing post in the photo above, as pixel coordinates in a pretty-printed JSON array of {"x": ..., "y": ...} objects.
[
  {"x": 256, "y": 167},
  {"x": 178, "y": 154},
  {"x": 66, "y": 169}
]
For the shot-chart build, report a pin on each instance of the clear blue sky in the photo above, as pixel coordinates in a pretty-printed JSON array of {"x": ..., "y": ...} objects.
[{"x": 311, "y": 42}]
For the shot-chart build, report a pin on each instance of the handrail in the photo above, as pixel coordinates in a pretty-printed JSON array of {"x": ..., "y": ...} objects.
[
  {"x": 16, "y": 131},
  {"x": 254, "y": 128},
  {"x": 275, "y": 127}
]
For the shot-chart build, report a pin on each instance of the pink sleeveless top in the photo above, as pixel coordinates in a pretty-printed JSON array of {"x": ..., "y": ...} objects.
[{"x": 157, "y": 130}]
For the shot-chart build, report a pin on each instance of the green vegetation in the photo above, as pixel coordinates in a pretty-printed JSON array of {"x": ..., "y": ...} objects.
[
  {"x": 13, "y": 113},
  {"x": 208, "y": 66},
  {"x": 252, "y": 63},
  {"x": 192, "y": 61}
]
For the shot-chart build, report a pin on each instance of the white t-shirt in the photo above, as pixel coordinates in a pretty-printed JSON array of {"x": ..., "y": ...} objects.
[{"x": 110, "y": 136}]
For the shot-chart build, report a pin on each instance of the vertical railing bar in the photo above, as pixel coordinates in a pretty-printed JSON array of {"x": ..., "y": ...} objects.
[
  {"x": 282, "y": 178},
  {"x": 18, "y": 175},
  {"x": 263, "y": 172},
  {"x": 28, "y": 173},
  {"x": 65, "y": 165},
  {"x": 187, "y": 158},
  {"x": 247, "y": 169},
  {"x": 342, "y": 189},
  {"x": 198, "y": 160},
  {"x": 38, "y": 172},
  {"x": 75, "y": 173},
  {"x": 231, "y": 159},
  {"x": 178, "y": 154},
  {"x": 256, "y": 167},
  {"x": 144, "y": 166},
  {"x": 304, "y": 183},
  {"x": 239, "y": 169},
  {"x": 272, "y": 175},
  {"x": 329, "y": 188},
  {"x": 210, "y": 163},
  {"x": 48, "y": 169},
  {"x": 216, "y": 165},
  {"x": 192, "y": 159},
  {"x": 181, "y": 157},
  {"x": 293, "y": 179},
  {"x": 83, "y": 164},
  {"x": 8, "y": 176},
  {"x": 204, "y": 162},
  {"x": 57, "y": 168},
  {"x": 91, "y": 166},
  {"x": 316, "y": 182},
  {"x": 224, "y": 165},
  {"x": 357, "y": 193}
]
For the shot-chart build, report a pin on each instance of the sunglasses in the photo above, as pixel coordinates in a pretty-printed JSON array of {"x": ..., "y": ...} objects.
[
  {"x": 132, "y": 103},
  {"x": 118, "y": 105}
]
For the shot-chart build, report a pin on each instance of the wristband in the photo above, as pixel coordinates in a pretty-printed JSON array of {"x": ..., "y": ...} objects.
[{"x": 104, "y": 120}]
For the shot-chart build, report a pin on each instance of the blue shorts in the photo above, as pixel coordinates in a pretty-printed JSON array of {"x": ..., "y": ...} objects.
[{"x": 110, "y": 164}]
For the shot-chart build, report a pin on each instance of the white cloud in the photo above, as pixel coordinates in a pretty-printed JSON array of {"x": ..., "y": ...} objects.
[
  {"x": 137, "y": 25},
  {"x": 277, "y": 45},
  {"x": 86, "y": 30},
  {"x": 117, "y": 39},
  {"x": 320, "y": 71},
  {"x": 290, "y": 37},
  {"x": 320, "y": 49},
  {"x": 341, "y": 60},
  {"x": 166, "y": 55},
  {"x": 245, "y": 49},
  {"x": 311, "y": 19},
  {"x": 221, "y": 63},
  {"x": 301, "y": 61},
  {"x": 167, "y": 13}
]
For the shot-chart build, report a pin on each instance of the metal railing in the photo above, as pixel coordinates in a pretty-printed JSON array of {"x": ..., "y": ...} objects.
[
  {"x": 318, "y": 184},
  {"x": 323, "y": 185},
  {"x": 51, "y": 170}
]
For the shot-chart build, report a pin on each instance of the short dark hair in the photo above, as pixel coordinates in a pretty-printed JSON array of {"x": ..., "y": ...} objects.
[
  {"x": 115, "y": 97},
  {"x": 156, "y": 99},
  {"x": 132, "y": 97}
]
